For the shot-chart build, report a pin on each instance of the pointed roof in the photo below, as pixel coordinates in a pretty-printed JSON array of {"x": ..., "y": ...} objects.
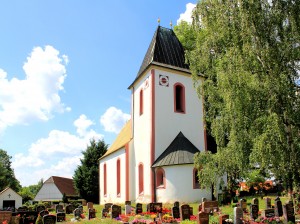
[
  {"x": 123, "y": 137},
  {"x": 64, "y": 185},
  {"x": 164, "y": 50},
  {"x": 180, "y": 151}
]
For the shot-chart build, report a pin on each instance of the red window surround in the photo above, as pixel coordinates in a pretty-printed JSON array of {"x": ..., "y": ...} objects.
[
  {"x": 179, "y": 98},
  {"x": 141, "y": 178},
  {"x": 160, "y": 178},
  {"x": 141, "y": 102}
]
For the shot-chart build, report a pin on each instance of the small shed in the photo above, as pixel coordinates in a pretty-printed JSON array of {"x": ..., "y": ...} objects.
[{"x": 9, "y": 199}]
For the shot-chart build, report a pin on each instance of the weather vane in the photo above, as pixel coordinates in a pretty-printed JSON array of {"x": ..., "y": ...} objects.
[{"x": 158, "y": 20}]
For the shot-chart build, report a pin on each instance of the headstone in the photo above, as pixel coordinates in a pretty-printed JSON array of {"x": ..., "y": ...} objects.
[
  {"x": 255, "y": 201},
  {"x": 184, "y": 212},
  {"x": 175, "y": 212},
  {"x": 203, "y": 218},
  {"x": 40, "y": 208},
  {"x": 191, "y": 211},
  {"x": 59, "y": 208},
  {"x": 288, "y": 212},
  {"x": 49, "y": 219},
  {"x": 268, "y": 203},
  {"x": 90, "y": 205},
  {"x": 108, "y": 205},
  {"x": 278, "y": 208},
  {"x": 268, "y": 213},
  {"x": 138, "y": 208},
  {"x": 92, "y": 213},
  {"x": 104, "y": 212},
  {"x": 60, "y": 216},
  {"x": 237, "y": 215},
  {"x": 69, "y": 209},
  {"x": 155, "y": 207},
  {"x": 77, "y": 212},
  {"x": 115, "y": 211},
  {"x": 43, "y": 213},
  {"x": 127, "y": 202},
  {"x": 254, "y": 211},
  {"x": 222, "y": 219},
  {"x": 127, "y": 209},
  {"x": 243, "y": 204},
  {"x": 176, "y": 204},
  {"x": 210, "y": 206}
]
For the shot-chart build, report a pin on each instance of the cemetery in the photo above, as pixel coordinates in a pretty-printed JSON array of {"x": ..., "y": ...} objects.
[{"x": 250, "y": 210}]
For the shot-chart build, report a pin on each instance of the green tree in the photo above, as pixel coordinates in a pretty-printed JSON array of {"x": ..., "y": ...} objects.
[
  {"x": 26, "y": 194},
  {"x": 7, "y": 175},
  {"x": 248, "y": 53},
  {"x": 86, "y": 177}
]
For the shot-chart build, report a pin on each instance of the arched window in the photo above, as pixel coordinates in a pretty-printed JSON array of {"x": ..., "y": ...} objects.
[
  {"x": 105, "y": 180},
  {"x": 141, "y": 102},
  {"x": 160, "y": 178},
  {"x": 118, "y": 178},
  {"x": 179, "y": 98},
  {"x": 141, "y": 178},
  {"x": 196, "y": 184}
]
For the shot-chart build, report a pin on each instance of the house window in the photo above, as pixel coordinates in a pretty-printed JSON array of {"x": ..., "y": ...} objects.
[
  {"x": 160, "y": 178},
  {"x": 118, "y": 178},
  {"x": 141, "y": 102},
  {"x": 141, "y": 178},
  {"x": 105, "y": 180},
  {"x": 179, "y": 98},
  {"x": 196, "y": 184}
]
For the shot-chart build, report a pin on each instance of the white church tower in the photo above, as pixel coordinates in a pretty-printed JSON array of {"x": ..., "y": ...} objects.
[{"x": 165, "y": 131}]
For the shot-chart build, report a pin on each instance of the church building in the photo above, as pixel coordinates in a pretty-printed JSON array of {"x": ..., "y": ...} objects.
[{"x": 152, "y": 158}]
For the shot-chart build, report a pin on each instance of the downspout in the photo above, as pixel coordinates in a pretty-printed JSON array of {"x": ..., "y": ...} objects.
[{"x": 154, "y": 184}]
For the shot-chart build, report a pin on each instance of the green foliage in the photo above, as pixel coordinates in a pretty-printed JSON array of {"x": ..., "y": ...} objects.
[
  {"x": 7, "y": 175},
  {"x": 28, "y": 193},
  {"x": 86, "y": 177},
  {"x": 248, "y": 53}
]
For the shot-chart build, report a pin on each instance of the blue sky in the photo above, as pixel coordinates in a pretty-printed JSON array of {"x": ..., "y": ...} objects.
[{"x": 65, "y": 66}]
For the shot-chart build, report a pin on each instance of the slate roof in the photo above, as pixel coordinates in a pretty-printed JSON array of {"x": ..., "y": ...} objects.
[
  {"x": 164, "y": 50},
  {"x": 180, "y": 151},
  {"x": 64, "y": 185},
  {"x": 123, "y": 137}
]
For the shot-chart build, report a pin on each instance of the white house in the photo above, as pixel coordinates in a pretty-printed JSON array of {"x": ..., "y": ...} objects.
[
  {"x": 10, "y": 199},
  {"x": 151, "y": 159},
  {"x": 54, "y": 188}
]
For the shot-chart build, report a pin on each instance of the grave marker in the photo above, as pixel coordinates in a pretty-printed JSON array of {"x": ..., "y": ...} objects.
[
  {"x": 255, "y": 201},
  {"x": 40, "y": 208},
  {"x": 210, "y": 206},
  {"x": 128, "y": 203},
  {"x": 69, "y": 209},
  {"x": 278, "y": 208},
  {"x": 43, "y": 213},
  {"x": 92, "y": 213},
  {"x": 60, "y": 216},
  {"x": 105, "y": 212},
  {"x": 90, "y": 205},
  {"x": 175, "y": 212},
  {"x": 268, "y": 203},
  {"x": 288, "y": 212},
  {"x": 237, "y": 215},
  {"x": 127, "y": 209},
  {"x": 108, "y": 205},
  {"x": 138, "y": 208},
  {"x": 49, "y": 219},
  {"x": 77, "y": 212},
  {"x": 268, "y": 213},
  {"x": 243, "y": 204},
  {"x": 115, "y": 211},
  {"x": 203, "y": 218},
  {"x": 155, "y": 207},
  {"x": 184, "y": 212},
  {"x": 176, "y": 204},
  {"x": 254, "y": 211},
  {"x": 59, "y": 208}
]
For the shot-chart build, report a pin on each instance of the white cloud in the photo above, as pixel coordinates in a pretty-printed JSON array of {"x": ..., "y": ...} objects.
[
  {"x": 82, "y": 123},
  {"x": 114, "y": 119},
  {"x": 37, "y": 96},
  {"x": 187, "y": 15}
]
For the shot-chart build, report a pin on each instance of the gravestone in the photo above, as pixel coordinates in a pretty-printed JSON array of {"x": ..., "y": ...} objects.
[
  {"x": 108, "y": 205},
  {"x": 127, "y": 209},
  {"x": 184, "y": 212},
  {"x": 255, "y": 201},
  {"x": 223, "y": 218},
  {"x": 243, "y": 204},
  {"x": 49, "y": 219},
  {"x": 176, "y": 204},
  {"x": 69, "y": 209},
  {"x": 237, "y": 215},
  {"x": 40, "y": 208},
  {"x": 268, "y": 213},
  {"x": 278, "y": 208},
  {"x": 80, "y": 207},
  {"x": 191, "y": 211},
  {"x": 288, "y": 212},
  {"x": 27, "y": 217},
  {"x": 138, "y": 208},
  {"x": 77, "y": 212},
  {"x": 115, "y": 211},
  {"x": 104, "y": 212},
  {"x": 203, "y": 218},
  {"x": 155, "y": 207},
  {"x": 254, "y": 211},
  {"x": 210, "y": 206},
  {"x": 127, "y": 202},
  {"x": 43, "y": 213},
  {"x": 268, "y": 203},
  {"x": 92, "y": 213},
  {"x": 59, "y": 208},
  {"x": 60, "y": 216},
  {"x": 175, "y": 212},
  {"x": 90, "y": 205}
]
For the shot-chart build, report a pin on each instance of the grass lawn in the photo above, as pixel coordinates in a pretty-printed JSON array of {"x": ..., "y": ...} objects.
[{"x": 228, "y": 209}]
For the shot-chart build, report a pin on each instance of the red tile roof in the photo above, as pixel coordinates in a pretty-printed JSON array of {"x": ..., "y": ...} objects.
[{"x": 64, "y": 185}]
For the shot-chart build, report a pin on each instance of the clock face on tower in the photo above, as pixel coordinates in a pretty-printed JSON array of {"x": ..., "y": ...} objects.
[{"x": 164, "y": 80}]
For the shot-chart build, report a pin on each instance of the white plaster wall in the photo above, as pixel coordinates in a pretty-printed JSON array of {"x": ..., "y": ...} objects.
[
  {"x": 48, "y": 192},
  {"x": 111, "y": 169},
  {"x": 10, "y": 195},
  {"x": 179, "y": 186},
  {"x": 169, "y": 123}
]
